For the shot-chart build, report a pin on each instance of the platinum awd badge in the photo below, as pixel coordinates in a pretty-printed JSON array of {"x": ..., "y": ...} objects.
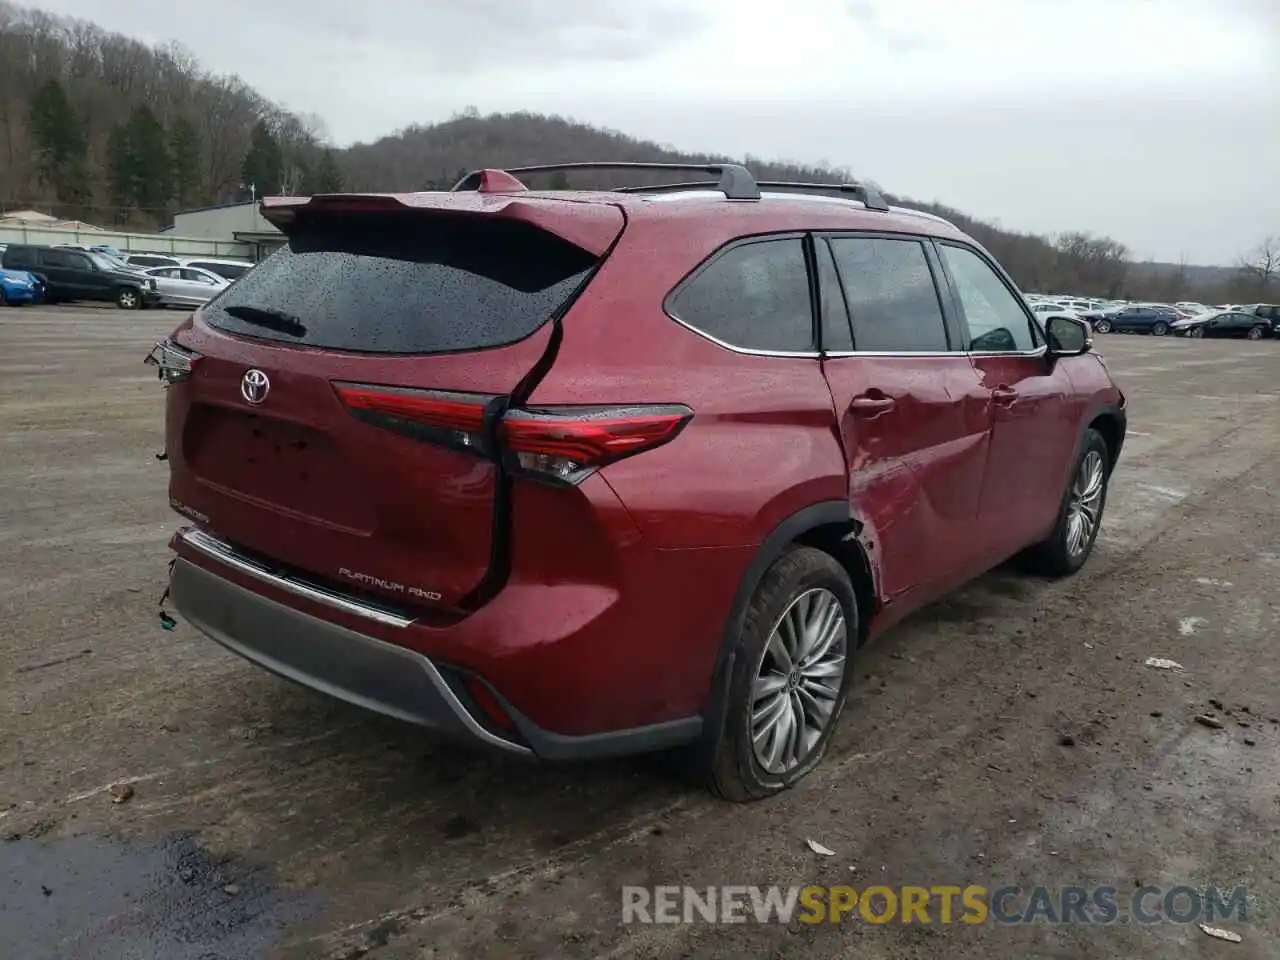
[{"x": 368, "y": 580}]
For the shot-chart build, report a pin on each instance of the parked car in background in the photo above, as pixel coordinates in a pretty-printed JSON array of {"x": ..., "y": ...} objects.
[
  {"x": 1225, "y": 323},
  {"x": 230, "y": 269},
  {"x": 607, "y": 544},
  {"x": 186, "y": 286},
  {"x": 147, "y": 260},
  {"x": 20, "y": 287},
  {"x": 1145, "y": 319},
  {"x": 83, "y": 275},
  {"x": 1266, "y": 311}
]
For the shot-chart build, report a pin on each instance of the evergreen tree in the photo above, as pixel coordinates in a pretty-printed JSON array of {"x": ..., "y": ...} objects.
[
  {"x": 326, "y": 177},
  {"x": 61, "y": 146},
  {"x": 139, "y": 168},
  {"x": 264, "y": 163},
  {"x": 184, "y": 151}
]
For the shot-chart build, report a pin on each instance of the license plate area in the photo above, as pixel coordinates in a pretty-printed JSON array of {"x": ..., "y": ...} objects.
[{"x": 275, "y": 462}]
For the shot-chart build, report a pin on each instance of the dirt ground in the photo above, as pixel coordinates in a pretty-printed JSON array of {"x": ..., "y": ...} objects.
[{"x": 266, "y": 821}]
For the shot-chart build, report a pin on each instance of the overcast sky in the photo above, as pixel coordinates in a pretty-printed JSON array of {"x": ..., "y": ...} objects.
[{"x": 1154, "y": 121}]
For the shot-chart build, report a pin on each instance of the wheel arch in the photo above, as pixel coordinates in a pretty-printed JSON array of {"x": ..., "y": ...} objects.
[
  {"x": 828, "y": 525},
  {"x": 1110, "y": 421}
]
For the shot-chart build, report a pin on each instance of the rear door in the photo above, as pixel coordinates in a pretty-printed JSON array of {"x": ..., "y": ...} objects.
[
  {"x": 328, "y": 424},
  {"x": 1032, "y": 430},
  {"x": 913, "y": 416},
  {"x": 56, "y": 265}
]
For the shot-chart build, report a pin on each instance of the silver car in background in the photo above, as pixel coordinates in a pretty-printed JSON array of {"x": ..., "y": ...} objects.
[{"x": 186, "y": 286}]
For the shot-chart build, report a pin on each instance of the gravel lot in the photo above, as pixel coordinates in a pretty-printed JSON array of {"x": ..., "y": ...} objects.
[{"x": 265, "y": 821}]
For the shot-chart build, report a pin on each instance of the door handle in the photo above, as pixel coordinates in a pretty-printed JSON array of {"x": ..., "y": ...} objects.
[
  {"x": 1004, "y": 395},
  {"x": 871, "y": 404}
]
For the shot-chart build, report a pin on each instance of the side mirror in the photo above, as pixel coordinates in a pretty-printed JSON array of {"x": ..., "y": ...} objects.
[{"x": 1068, "y": 337}]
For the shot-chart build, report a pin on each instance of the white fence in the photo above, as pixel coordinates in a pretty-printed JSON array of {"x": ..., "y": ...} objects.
[{"x": 128, "y": 242}]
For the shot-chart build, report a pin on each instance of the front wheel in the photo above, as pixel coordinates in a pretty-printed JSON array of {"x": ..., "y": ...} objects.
[
  {"x": 1197, "y": 332},
  {"x": 789, "y": 679},
  {"x": 1065, "y": 550},
  {"x": 1255, "y": 333},
  {"x": 128, "y": 299},
  {"x": 1159, "y": 328},
  {"x": 1103, "y": 326}
]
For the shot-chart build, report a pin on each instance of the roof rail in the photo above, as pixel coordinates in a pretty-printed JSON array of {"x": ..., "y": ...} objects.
[
  {"x": 736, "y": 181},
  {"x": 870, "y": 196}
]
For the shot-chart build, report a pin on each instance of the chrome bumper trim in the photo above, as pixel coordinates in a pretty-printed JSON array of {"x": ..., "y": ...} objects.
[{"x": 215, "y": 549}]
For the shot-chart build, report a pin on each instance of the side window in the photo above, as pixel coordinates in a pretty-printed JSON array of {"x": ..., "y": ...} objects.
[
  {"x": 754, "y": 296},
  {"x": 891, "y": 295},
  {"x": 54, "y": 258},
  {"x": 837, "y": 335},
  {"x": 78, "y": 261},
  {"x": 996, "y": 321}
]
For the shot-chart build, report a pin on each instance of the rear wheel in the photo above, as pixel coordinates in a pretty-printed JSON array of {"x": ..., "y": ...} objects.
[
  {"x": 1255, "y": 333},
  {"x": 790, "y": 678},
  {"x": 128, "y": 299},
  {"x": 1065, "y": 550},
  {"x": 1102, "y": 326},
  {"x": 1159, "y": 328}
]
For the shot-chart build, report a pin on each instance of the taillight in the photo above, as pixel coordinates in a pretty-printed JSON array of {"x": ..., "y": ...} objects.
[
  {"x": 173, "y": 361},
  {"x": 566, "y": 444},
  {"x": 452, "y": 419},
  {"x": 558, "y": 444}
]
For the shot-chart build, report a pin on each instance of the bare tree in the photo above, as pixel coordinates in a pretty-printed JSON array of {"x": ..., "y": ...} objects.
[{"x": 1260, "y": 267}]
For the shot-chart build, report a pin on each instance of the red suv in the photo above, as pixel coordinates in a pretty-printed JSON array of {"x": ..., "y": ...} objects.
[{"x": 585, "y": 473}]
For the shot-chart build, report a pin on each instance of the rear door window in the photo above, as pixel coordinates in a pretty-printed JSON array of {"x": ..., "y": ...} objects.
[
  {"x": 408, "y": 285},
  {"x": 753, "y": 296},
  {"x": 57, "y": 258},
  {"x": 837, "y": 333},
  {"x": 891, "y": 294}
]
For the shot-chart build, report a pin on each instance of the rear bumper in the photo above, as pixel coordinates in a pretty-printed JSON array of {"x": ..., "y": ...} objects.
[
  {"x": 324, "y": 656},
  {"x": 355, "y": 666}
]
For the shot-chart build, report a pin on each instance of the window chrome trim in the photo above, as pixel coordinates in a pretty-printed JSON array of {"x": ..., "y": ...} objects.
[
  {"x": 748, "y": 351},
  {"x": 215, "y": 549},
  {"x": 937, "y": 354}
]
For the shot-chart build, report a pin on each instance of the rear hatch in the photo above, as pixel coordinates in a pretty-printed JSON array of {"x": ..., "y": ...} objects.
[{"x": 334, "y": 397}]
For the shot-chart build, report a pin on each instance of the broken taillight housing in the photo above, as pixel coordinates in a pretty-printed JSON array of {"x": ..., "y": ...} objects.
[
  {"x": 557, "y": 444},
  {"x": 173, "y": 361}
]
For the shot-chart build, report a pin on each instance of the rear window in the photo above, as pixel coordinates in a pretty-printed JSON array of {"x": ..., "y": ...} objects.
[
  {"x": 229, "y": 271},
  {"x": 405, "y": 285}
]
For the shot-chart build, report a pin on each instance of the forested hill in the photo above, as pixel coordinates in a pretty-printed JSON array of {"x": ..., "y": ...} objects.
[
  {"x": 101, "y": 127},
  {"x": 104, "y": 128}
]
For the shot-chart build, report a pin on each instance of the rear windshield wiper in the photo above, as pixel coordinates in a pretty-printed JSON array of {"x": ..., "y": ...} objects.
[{"x": 266, "y": 317}]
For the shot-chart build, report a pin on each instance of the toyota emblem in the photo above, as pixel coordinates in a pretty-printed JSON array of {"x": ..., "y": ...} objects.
[{"x": 255, "y": 386}]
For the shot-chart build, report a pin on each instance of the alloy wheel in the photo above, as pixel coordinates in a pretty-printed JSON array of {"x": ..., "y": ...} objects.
[
  {"x": 798, "y": 681},
  {"x": 1085, "y": 507}
]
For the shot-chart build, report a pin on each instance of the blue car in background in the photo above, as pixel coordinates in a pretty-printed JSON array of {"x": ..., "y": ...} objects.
[{"x": 18, "y": 287}]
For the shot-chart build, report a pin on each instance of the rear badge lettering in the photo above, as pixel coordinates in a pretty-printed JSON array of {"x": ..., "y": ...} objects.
[
  {"x": 368, "y": 580},
  {"x": 188, "y": 512}
]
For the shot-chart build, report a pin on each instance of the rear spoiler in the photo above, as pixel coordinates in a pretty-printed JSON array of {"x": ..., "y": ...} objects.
[{"x": 590, "y": 226}]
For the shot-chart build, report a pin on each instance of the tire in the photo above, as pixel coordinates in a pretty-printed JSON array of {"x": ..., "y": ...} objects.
[
  {"x": 1102, "y": 326},
  {"x": 1159, "y": 328},
  {"x": 4, "y": 301},
  {"x": 1197, "y": 332},
  {"x": 127, "y": 298},
  {"x": 1256, "y": 333},
  {"x": 802, "y": 579},
  {"x": 1060, "y": 555}
]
